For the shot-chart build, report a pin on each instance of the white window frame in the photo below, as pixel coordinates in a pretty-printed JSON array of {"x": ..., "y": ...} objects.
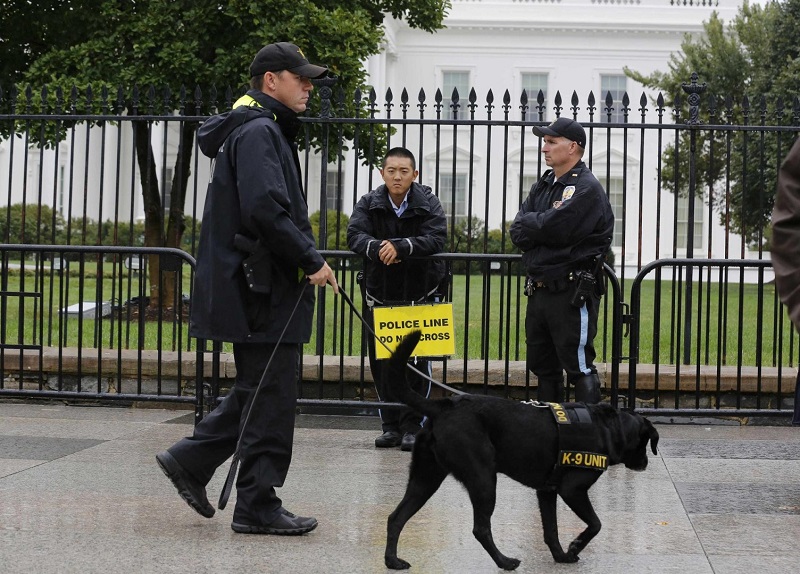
[
  {"x": 169, "y": 173},
  {"x": 446, "y": 194},
  {"x": 616, "y": 197},
  {"x": 533, "y": 92},
  {"x": 682, "y": 221},
  {"x": 617, "y": 116},
  {"x": 527, "y": 183},
  {"x": 447, "y": 93},
  {"x": 331, "y": 187}
]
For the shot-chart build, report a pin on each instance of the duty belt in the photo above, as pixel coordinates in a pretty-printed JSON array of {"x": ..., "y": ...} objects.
[{"x": 556, "y": 285}]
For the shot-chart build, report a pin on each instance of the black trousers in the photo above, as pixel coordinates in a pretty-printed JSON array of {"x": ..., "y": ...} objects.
[
  {"x": 560, "y": 337},
  {"x": 266, "y": 448},
  {"x": 403, "y": 420}
]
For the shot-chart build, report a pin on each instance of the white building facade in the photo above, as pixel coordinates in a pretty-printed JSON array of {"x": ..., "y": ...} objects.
[
  {"x": 566, "y": 47},
  {"x": 483, "y": 170}
]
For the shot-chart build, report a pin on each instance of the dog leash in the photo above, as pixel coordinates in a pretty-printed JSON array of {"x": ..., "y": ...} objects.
[
  {"x": 385, "y": 346},
  {"x": 228, "y": 486}
]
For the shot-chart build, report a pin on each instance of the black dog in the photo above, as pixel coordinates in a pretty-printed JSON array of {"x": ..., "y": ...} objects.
[{"x": 474, "y": 437}]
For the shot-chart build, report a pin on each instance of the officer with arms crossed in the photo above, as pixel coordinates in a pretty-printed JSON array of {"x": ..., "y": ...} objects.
[
  {"x": 393, "y": 226},
  {"x": 256, "y": 256},
  {"x": 564, "y": 229}
]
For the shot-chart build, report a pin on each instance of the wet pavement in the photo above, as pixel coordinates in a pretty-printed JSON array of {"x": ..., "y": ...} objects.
[{"x": 80, "y": 493}]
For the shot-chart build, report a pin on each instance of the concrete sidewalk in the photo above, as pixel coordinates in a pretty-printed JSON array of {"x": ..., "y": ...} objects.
[{"x": 80, "y": 493}]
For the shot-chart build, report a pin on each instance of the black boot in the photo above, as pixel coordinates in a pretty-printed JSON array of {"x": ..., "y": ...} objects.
[
  {"x": 550, "y": 390},
  {"x": 587, "y": 389}
]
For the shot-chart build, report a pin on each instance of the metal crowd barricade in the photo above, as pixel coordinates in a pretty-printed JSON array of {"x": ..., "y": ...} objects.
[
  {"x": 702, "y": 323},
  {"x": 75, "y": 323}
]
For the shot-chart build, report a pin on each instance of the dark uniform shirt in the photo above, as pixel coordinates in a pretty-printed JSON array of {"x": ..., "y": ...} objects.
[{"x": 563, "y": 224}]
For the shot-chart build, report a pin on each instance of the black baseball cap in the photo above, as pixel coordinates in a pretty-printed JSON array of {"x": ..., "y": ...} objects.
[
  {"x": 565, "y": 128},
  {"x": 284, "y": 56}
]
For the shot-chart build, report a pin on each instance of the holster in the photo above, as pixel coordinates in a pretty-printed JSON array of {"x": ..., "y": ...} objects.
[
  {"x": 257, "y": 267},
  {"x": 585, "y": 287}
]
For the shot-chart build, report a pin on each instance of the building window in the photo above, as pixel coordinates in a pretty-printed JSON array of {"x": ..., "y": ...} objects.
[
  {"x": 533, "y": 83},
  {"x": 527, "y": 184},
  {"x": 168, "y": 174},
  {"x": 617, "y": 200},
  {"x": 616, "y": 85},
  {"x": 682, "y": 218},
  {"x": 61, "y": 207},
  {"x": 451, "y": 185},
  {"x": 454, "y": 80},
  {"x": 333, "y": 191}
]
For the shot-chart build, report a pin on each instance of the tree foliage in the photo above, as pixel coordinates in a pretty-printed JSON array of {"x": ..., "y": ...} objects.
[
  {"x": 204, "y": 43},
  {"x": 31, "y": 28},
  {"x": 187, "y": 44},
  {"x": 751, "y": 68},
  {"x": 335, "y": 229}
]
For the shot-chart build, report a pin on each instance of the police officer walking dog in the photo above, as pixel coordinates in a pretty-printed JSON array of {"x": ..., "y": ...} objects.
[
  {"x": 564, "y": 229},
  {"x": 257, "y": 255}
]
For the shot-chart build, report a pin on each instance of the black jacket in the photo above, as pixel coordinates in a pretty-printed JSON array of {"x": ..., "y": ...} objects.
[
  {"x": 256, "y": 192},
  {"x": 420, "y": 231},
  {"x": 786, "y": 234},
  {"x": 563, "y": 224}
]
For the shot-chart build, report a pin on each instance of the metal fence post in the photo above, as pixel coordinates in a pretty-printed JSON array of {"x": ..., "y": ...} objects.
[
  {"x": 694, "y": 90},
  {"x": 325, "y": 92}
]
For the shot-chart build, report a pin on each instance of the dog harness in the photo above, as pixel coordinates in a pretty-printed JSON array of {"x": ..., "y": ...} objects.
[{"x": 578, "y": 445}]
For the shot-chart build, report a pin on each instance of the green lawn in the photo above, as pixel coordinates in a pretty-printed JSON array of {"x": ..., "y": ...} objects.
[
  {"x": 738, "y": 324},
  {"x": 46, "y": 294},
  {"x": 727, "y": 324}
]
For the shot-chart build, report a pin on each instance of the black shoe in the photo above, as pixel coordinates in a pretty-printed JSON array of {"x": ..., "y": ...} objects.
[
  {"x": 286, "y": 524},
  {"x": 188, "y": 487},
  {"x": 389, "y": 439},
  {"x": 587, "y": 389},
  {"x": 408, "y": 441}
]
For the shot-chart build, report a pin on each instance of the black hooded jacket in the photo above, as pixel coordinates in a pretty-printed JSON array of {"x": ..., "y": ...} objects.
[
  {"x": 256, "y": 193},
  {"x": 421, "y": 230}
]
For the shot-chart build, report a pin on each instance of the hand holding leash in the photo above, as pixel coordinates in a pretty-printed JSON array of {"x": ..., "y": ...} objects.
[{"x": 324, "y": 276}]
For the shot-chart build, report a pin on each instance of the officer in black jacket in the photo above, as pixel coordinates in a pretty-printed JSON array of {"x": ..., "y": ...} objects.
[
  {"x": 393, "y": 226},
  {"x": 255, "y": 256},
  {"x": 785, "y": 240},
  {"x": 564, "y": 229}
]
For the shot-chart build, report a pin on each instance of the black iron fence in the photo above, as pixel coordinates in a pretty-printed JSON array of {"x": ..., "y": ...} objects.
[
  {"x": 689, "y": 353},
  {"x": 121, "y": 169},
  {"x": 75, "y": 323}
]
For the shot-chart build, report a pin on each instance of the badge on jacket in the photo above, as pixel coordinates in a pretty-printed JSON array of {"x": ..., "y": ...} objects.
[{"x": 568, "y": 191}]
